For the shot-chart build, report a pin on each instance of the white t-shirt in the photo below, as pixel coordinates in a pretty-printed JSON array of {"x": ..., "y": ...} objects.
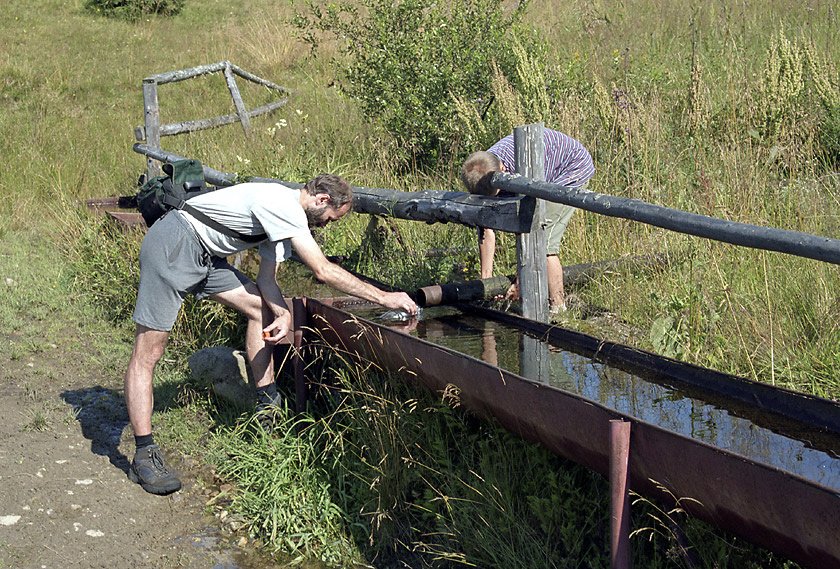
[{"x": 251, "y": 208}]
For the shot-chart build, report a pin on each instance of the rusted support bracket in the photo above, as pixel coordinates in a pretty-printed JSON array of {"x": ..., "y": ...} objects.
[
  {"x": 299, "y": 323},
  {"x": 619, "y": 495}
]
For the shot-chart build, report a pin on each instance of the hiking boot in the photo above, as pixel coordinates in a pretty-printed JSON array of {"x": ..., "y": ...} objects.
[
  {"x": 269, "y": 415},
  {"x": 149, "y": 470}
]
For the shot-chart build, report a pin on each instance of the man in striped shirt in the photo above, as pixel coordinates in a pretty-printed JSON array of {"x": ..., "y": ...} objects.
[{"x": 567, "y": 163}]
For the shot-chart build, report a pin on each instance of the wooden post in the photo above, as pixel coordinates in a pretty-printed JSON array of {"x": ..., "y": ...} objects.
[
  {"x": 152, "y": 118},
  {"x": 531, "y": 264},
  {"x": 237, "y": 101}
]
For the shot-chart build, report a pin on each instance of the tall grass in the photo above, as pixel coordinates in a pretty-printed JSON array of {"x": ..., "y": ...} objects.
[
  {"x": 421, "y": 483},
  {"x": 677, "y": 115}
]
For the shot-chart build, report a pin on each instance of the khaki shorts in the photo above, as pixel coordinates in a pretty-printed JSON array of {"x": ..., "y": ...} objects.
[
  {"x": 173, "y": 264},
  {"x": 557, "y": 217}
]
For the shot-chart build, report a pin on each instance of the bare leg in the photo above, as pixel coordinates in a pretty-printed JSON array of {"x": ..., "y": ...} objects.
[
  {"x": 139, "y": 398},
  {"x": 247, "y": 300},
  {"x": 556, "y": 293}
]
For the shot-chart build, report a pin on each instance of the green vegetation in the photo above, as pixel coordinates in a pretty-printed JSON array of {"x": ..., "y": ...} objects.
[
  {"x": 403, "y": 61},
  {"x": 134, "y": 9},
  {"x": 728, "y": 110}
]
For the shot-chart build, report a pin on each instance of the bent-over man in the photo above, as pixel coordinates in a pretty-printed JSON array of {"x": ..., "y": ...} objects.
[
  {"x": 567, "y": 163},
  {"x": 181, "y": 255}
]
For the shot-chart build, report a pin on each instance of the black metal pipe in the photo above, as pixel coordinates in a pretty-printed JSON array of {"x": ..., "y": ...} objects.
[
  {"x": 736, "y": 233},
  {"x": 467, "y": 291}
]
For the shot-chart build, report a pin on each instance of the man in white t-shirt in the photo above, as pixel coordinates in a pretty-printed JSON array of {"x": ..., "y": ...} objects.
[{"x": 181, "y": 255}]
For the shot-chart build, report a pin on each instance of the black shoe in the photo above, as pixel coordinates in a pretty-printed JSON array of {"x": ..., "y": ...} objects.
[
  {"x": 269, "y": 415},
  {"x": 149, "y": 469}
]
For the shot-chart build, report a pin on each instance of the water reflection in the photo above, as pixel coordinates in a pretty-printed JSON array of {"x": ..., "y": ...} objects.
[{"x": 743, "y": 430}]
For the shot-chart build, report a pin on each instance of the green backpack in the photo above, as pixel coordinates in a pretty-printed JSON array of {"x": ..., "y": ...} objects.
[{"x": 184, "y": 179}]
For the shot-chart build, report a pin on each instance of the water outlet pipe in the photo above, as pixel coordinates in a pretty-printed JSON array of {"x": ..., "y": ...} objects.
[{"x": 467, "y": 291}]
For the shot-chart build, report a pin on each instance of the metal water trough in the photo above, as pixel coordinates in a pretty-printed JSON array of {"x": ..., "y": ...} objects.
[{"x": 775, "y": 509}]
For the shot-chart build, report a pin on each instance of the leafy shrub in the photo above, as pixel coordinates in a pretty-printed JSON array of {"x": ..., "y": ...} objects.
[
  {"x": 135, "y": 9},
  {"x": 406, "y": 59}
]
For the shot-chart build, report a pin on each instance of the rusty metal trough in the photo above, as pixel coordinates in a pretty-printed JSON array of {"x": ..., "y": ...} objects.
[{"x": 775, "y": 509}]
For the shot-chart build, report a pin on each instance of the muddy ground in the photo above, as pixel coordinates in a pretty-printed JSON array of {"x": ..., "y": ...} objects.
[{"x": 65, "y": 498}]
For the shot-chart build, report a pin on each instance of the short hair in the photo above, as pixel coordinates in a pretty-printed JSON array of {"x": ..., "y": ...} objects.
[
  {"x": 478, "y": 170},
  {"x": 334, "y": 186}
]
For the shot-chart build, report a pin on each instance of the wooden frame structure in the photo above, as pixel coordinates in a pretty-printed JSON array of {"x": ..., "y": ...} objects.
[{"x": 152, "y": 131}]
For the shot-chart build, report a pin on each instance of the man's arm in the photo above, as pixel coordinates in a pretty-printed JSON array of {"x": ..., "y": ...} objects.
[
  {"x": 486, "y": 251},
  {"x": 273, "y": 298},
  {"x": 336, "y": 277}
]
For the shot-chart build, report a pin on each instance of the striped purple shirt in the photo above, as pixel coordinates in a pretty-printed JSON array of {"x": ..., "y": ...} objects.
[{"x": 567, "y": 162}]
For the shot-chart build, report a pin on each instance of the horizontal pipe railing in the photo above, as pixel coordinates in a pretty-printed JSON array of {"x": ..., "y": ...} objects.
[
  {"x": 733, "y": 232},
  {"x": 505, "y": 213},
  {"x": 431, "y": 206}
]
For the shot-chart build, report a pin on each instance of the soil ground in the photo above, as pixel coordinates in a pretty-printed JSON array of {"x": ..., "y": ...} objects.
[{"x": 66, "y": 500}]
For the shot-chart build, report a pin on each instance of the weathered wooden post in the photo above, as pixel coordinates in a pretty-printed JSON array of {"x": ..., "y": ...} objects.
[
  {"x": 237, "y": 100},
  {"x": 152, "y": 118},
  {"x": 531, "y": 264}
]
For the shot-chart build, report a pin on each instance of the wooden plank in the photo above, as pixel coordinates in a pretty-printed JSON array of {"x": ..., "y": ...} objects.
[
  {"x": 189, "y": 73},
  {"x": 172, "y": 129},
  {"x": 258, "y": 80}
]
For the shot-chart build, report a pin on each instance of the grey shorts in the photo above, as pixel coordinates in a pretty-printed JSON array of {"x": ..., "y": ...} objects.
[
  {"x": 557, "y": 217},
  {"x": 173, "y": 264}
]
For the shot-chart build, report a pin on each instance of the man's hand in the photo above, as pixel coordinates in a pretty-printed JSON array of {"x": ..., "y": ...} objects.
[
  {"x": 277, "y": 330},
  {"x": 513, "y": 292},
  {"x": 399, "y": 300}
]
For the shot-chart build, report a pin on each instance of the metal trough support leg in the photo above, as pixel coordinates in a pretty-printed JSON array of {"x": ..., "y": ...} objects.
[
  {"x": 299, "y": 315},
  {"x": 619, "y": 496}
]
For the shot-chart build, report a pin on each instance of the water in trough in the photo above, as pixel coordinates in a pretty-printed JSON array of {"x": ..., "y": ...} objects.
[{"x": 788, "y": 445}]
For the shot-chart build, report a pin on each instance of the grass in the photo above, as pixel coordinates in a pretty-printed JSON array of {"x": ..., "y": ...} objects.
[{"x": 670, "y": 116}]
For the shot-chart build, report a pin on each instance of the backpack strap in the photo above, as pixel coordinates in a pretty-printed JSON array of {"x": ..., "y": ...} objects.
[{"x": 181, "y": 204}]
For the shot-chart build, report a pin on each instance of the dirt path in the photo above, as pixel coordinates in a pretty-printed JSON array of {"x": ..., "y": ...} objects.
[{"x": 66, "y": 501}]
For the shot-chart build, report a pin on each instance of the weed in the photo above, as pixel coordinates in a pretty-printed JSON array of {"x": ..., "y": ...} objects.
[
  {"x": 402, "y": 60},
  {"x": 38, "y": 421}
]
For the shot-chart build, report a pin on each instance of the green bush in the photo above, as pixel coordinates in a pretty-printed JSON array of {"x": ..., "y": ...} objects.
[
  {"x": 405, "y": 60},
  {"x": 135, "y": 9}
]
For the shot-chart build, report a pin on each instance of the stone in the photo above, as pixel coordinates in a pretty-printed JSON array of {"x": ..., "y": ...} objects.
[{"x": 227, "y": 372}]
